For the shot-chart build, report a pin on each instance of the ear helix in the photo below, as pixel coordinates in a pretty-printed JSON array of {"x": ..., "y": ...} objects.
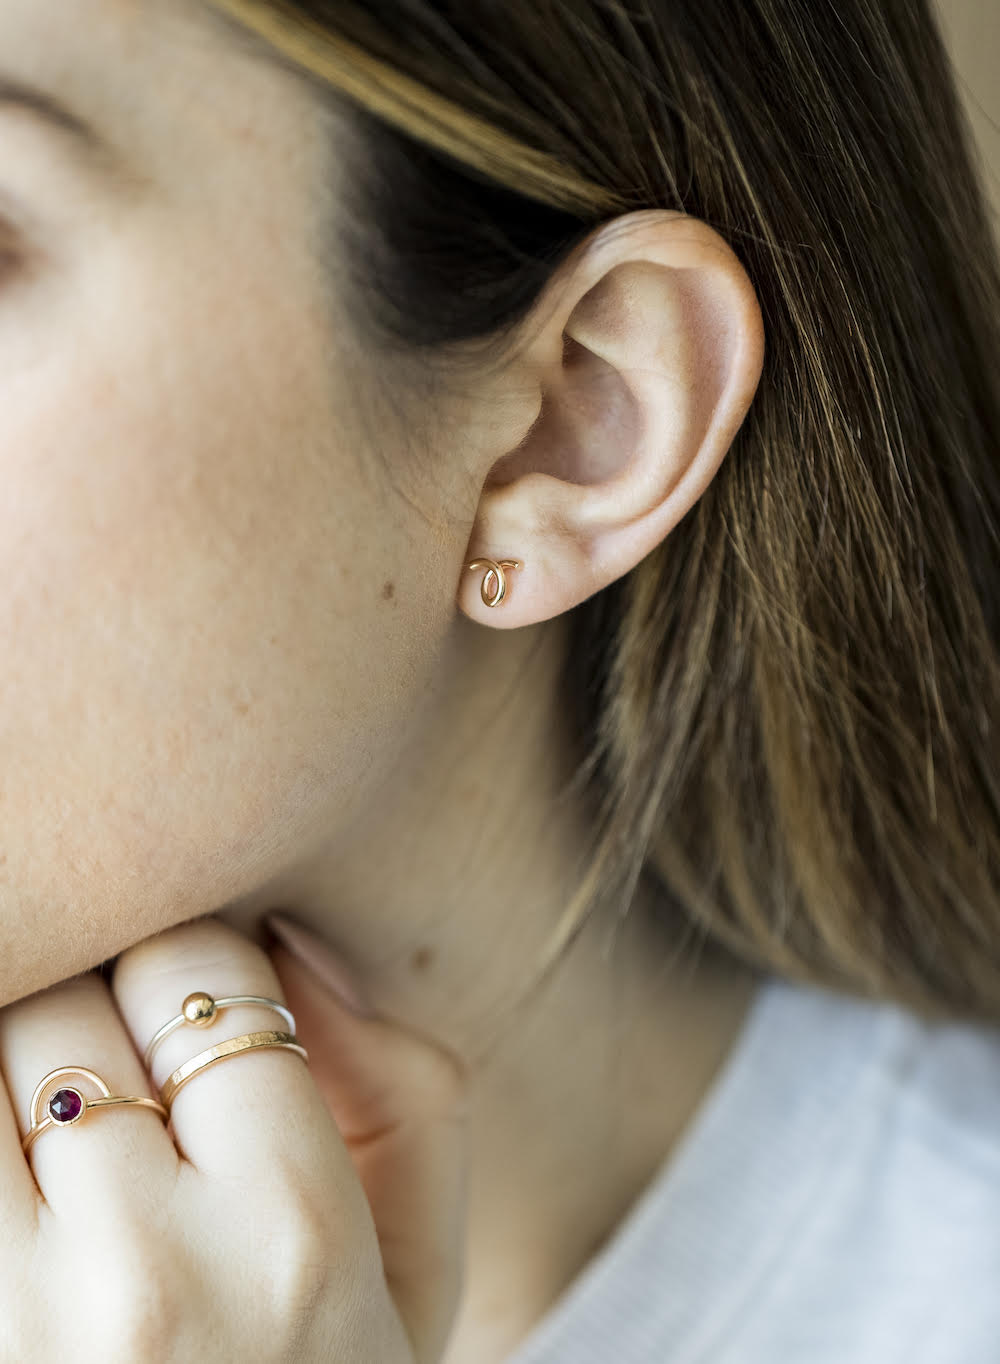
[{"x": 493, "y": 588}]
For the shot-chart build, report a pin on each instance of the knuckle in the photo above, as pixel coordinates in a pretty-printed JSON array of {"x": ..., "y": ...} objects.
[
  {"x": 313, "y": 1269},
  {"x": 301, "y": 1253},
  {"x": 136, "y": 1310},
  {"x": 205, "y": 941}
]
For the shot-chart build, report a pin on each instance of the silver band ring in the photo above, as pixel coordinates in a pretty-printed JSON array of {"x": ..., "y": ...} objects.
[{"x": 200, "y": 1010}]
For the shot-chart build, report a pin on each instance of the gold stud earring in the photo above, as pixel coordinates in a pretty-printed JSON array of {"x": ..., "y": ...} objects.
[{"x": 493, "y": 588}]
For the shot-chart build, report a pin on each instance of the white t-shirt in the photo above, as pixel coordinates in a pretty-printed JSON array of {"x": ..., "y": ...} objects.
[{"x": 835, "y": 1200}]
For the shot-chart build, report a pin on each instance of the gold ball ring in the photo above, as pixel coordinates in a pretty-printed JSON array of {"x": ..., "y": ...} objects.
[
  {"x": 69, "y": 1105},
  {"x": 249, "y": 1041},
  {"x": 493, "y": 588},
  {"x": 200, "y": 1010}
]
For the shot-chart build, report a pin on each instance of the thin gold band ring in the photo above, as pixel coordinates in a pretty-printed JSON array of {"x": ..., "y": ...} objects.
[
  {"x": 248, "y": 1041},
  {"x": 68, "y": 1105}
]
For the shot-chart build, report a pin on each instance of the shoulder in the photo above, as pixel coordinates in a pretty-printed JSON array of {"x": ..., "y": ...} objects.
[
  {"x": 924, "y": 1084},
  {"x": 915, "y": 1182},
  {"x": 948, "y": 1086},
  {"x": 896, "y": 1236}
]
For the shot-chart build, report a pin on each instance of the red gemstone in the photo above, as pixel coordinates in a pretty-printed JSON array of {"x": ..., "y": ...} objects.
[{"x": 66, "y": 1105}]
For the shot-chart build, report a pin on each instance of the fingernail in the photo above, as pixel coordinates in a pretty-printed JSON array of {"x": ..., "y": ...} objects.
[{"x": 322, "y": 961}]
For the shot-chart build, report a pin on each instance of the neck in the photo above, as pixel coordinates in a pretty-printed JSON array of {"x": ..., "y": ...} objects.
[{"x": 588, "y": 1051}]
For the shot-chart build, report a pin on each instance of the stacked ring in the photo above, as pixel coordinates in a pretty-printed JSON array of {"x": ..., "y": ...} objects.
[
  {"x": 200, "y": 1010},
  {"x": 68, "y": 1104}
]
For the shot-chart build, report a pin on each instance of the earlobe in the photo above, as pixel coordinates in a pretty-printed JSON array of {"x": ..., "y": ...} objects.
[{"x": 647, "y": 361}]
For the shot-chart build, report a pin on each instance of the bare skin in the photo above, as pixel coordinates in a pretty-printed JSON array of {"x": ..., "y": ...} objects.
[{"x": 245, "y": 667}]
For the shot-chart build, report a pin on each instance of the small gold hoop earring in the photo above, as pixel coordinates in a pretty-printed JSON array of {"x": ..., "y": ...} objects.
[{"x": 493, "y": 588}]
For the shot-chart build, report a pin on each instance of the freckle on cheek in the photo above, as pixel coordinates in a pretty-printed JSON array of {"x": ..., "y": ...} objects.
[
  {"x": 422, "y": 958},
  {"x": 388, "y": 591}
]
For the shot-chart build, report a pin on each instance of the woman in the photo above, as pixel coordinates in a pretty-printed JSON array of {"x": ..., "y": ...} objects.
[{"x": 514, "y": 490}]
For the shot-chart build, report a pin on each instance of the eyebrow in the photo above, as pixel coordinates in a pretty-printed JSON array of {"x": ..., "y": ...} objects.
[
  {"x": 45, "y": 106},
  {"x": 97, "y": 150}
]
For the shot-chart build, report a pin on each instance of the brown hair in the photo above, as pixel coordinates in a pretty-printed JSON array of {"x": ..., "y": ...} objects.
[{"x": 788, "y": 713}]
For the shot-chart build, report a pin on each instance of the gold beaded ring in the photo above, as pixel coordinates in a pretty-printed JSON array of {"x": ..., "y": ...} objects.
[
  {"x": 68, "y": 1105},
  {"x": 200, "y": 1010}
]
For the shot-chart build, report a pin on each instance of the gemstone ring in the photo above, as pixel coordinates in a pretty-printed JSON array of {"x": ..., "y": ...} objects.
[{"x": 68, "y": 1104}]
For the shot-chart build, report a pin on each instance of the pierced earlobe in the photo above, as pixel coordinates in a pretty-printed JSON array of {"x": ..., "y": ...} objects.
[{"x": 494, "y": 585}]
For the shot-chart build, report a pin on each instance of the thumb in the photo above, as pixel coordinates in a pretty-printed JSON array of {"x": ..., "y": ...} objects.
[{"x": 399, "y": 1102}]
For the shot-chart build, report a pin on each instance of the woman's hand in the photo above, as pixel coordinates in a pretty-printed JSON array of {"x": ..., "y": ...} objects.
[{"x": 255, "y": 1227}]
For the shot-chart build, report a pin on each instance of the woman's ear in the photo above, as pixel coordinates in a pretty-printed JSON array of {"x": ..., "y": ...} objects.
[{"x": 641, "y": 359}]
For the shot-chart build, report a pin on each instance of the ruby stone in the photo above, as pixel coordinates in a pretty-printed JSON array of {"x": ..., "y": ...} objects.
[{"x": 65, "y": 1105}]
